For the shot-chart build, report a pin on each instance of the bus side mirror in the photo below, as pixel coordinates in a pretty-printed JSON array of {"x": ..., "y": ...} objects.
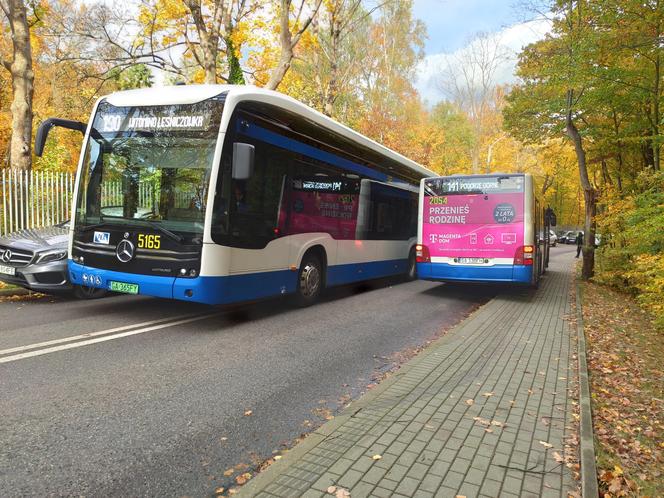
[
  {"x": 243, "y": 161},
  {"x": 45, "y": 127}
]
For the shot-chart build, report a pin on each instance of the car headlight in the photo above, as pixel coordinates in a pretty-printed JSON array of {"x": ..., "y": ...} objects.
[{"x": 47, "y": 257}]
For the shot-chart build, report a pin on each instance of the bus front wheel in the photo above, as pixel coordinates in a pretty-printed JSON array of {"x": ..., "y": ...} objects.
[{"x": 309, "y": 280}]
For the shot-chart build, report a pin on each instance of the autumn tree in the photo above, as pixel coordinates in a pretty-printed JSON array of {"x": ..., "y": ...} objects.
[
  {"x": 469, "y": 79},
  {"x": 289, "y": 37},
  {"x": 19, "y": 66}
]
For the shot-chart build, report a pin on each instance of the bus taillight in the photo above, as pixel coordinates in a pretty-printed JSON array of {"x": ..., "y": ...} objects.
[
  {"x": 524, "y": 255},
  {"x": 422, "y": 254}
]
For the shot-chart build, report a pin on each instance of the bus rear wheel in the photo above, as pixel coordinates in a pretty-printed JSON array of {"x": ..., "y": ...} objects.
[
  {"x": 309, "y": 280},
  {"x": 412, "y": 266}
]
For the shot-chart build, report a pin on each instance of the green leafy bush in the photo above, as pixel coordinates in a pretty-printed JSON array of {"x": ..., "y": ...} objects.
[{"x": 631, "y": 256}]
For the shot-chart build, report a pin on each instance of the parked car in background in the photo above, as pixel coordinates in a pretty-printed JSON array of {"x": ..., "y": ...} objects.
[
  {"x": 562, "y": 236},
  {"x": 553, "y": 238},
  {"x": 37, "y": 260}
]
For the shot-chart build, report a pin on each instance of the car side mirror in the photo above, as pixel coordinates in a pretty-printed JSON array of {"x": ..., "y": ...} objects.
[
  {"x": 45, "y": 128},
  {"x": 243, "y": 161}
]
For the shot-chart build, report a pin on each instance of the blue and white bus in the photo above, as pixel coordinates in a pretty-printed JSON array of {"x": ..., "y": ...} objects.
[
  {"x": 482, "y": 228},
  {"x": 219, "y": 194}
]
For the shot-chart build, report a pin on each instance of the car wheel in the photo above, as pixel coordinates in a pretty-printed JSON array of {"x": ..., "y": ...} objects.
[
  {"x": 85, "y": 292},
  {"x": 309, "y": 281}
]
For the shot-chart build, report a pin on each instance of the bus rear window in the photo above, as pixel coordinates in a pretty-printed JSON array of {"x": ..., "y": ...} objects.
[{"x": 473, "y": 185}]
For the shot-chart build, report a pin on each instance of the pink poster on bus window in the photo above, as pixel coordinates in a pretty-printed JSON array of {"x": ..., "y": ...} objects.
[
  {"x": 331, "y": 213},
  {"x": 473, "y": 225}
]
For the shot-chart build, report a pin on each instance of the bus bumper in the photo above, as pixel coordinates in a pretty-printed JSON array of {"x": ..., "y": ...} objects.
[
  {"x": 496, "y": 273},
  {"x": 206, "y": 290}
]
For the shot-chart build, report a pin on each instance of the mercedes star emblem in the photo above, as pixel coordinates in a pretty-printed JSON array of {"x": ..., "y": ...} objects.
[
  {"x": 125, "y": 251},
  {"x": 7, "y": 256}
]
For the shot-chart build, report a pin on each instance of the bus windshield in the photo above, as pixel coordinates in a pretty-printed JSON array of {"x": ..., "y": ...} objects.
[{"x": 149, "y": 163}]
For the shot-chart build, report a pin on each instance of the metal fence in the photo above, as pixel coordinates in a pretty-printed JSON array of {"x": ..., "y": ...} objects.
[{"x": 30, "y": 199}]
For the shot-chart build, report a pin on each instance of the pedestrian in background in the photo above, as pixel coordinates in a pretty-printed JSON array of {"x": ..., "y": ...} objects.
[{"x": 579, "y": 243}]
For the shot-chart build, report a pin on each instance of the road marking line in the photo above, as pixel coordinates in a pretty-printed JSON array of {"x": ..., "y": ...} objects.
[
  {"x": 88, "y": 335},
  {"x": 79, "y": 344}
]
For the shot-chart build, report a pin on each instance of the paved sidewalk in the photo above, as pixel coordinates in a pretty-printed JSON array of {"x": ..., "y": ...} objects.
[{"x": 467, "y": 416}]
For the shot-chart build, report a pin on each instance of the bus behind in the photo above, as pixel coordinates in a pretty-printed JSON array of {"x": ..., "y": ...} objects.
[{"x": 480, "y": 228}]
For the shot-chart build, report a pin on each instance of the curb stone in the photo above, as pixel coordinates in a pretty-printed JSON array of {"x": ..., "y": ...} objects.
[
  {"x": 589, "y": 486},
  {"x": 20, "y": 291}
]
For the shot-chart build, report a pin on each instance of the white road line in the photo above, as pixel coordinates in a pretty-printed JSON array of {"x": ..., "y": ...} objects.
[
  {"x": 79, "y": 344},
  {"x": 88, "y": 335}
]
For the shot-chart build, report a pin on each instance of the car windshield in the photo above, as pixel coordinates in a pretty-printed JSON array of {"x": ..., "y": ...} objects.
[{"x": 149, "y": 163}]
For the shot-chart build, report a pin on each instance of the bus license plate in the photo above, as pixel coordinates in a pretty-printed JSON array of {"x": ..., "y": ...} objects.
[
  {"x": 471, "y": 261},
  {"x": 8, "y": 270},
  {"x": 124, "y": 287}
]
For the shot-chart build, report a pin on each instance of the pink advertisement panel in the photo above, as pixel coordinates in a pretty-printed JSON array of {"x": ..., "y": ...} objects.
[
  {"x": 333, "y": 213},
  {"x": 473, "y": 225}
]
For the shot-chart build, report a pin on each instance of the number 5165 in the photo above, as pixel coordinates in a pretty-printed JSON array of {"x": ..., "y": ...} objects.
[{"x": 148, "y": 241}]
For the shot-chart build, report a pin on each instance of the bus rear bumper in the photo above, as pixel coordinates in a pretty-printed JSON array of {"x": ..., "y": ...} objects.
[{"x": 497, "y": 273}]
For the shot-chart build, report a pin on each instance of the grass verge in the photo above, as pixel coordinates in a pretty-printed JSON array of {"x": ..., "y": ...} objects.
[{"x": 625, "y": 352}]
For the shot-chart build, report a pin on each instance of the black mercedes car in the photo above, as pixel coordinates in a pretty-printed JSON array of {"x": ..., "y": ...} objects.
[{"x": 37, "y": 260}]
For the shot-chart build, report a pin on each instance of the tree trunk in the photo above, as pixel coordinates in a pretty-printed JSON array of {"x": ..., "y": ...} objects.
[
  {"x": 286, "y": 44},
  {"x": 333, "y": 90},
  {"x": 20, "y": 68},
  {"x": 288, "y": 41},
  {"x": 209, "y": 41},
  {"x": 589, "y": 194}
]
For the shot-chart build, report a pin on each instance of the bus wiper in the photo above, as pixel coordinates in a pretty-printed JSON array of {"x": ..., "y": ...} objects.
[
  {"x": 87, "y": 228},
  {"x": 157, "y": 226}
]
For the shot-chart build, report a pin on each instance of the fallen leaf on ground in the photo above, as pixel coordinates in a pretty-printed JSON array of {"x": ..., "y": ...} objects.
[
  {"x": 219, "y": 491},
  {"x": 342, "y": 493},
  {"x": 470, "y": 401},
  {"x": 241, "y": 479},
  {"x": 376, "y": 457},
  {"x": 497, "y": 424},
  {"x": 332, "y": 489},
  {"x": 248, "y": 412},
  {"x": 278, "y": 457},
  {"x": 488, "y": 394},
  {"x": 557, "y": 457},
  {"x": 229, "y": 472},
  {"x": 545, "y": 444}
]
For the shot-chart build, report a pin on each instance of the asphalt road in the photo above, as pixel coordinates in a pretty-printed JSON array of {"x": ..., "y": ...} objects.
[{"x": 132, "y": 396}]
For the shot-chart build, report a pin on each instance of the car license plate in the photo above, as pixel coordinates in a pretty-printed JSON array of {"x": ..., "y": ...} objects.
[
  {"x": 124, "y": 287},
  {"x": 471, "y": 261},
  {"x": 8, "y": 270}
]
